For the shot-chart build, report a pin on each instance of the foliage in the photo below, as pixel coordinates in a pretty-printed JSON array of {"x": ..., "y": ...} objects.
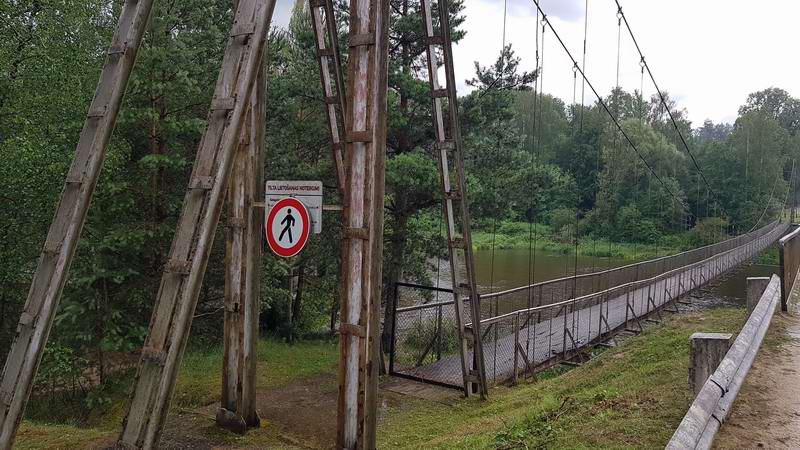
[{"x": 533, "y": 162}]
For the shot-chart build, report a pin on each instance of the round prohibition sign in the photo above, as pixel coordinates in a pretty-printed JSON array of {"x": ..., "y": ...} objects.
[{"x": 288, "y": 227}]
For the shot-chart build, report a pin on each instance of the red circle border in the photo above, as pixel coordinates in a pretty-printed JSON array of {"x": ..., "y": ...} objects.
[{"x": 301, "y": 243}]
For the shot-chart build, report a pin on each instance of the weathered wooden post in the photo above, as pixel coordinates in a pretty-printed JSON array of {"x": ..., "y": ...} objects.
[
  {"x": 706, "y": 350},
  {"x": 184, "y": 271},
  {"x": 41, "y": 305},
  {"x": 242, "y": 269},
  {"x": 362, "y": 244}
]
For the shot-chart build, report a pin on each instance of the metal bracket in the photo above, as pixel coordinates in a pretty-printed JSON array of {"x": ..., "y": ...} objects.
[
  {"x": 324, "y": 53},
  {"x": 445, "y": 145},
  {"x": 5, "y": 398},
  {"x": 362, "y": 40},
  {"x": 359, "y": 136},
  {"x": 26, "y": 320},
  {"x": 153, "y": 356},
  {"x": 436, "y": 40},
  {"x": 53, "y": 248},
  {"x": 117, "y": 49},
  {"x": 223, "y": 104},
  {"x": 97, "y": 111},
  {"x": 243, "y": 29},
  {"x": 201, "y": 182}
]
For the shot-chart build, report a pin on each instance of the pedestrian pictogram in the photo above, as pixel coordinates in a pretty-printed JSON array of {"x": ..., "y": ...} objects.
[{"x": 287, "y": 227}]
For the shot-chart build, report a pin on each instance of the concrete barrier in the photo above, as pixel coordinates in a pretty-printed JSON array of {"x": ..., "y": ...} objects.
[{"x": 712, "y": 404}]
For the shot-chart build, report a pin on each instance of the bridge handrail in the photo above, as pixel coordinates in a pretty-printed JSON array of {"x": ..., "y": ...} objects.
[
  {"x": 626, "y": 286},
  {"x": 710, "y": 408},
  {"x": 758, "y": 233}
]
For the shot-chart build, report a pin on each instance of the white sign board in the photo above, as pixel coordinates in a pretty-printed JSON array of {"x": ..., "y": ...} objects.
[{"x": 308, "y": 192}]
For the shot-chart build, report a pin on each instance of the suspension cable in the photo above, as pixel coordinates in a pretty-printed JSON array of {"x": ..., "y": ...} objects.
[
  {"x": 646, "y": 66},
  {"x": 606, "y": 108}
]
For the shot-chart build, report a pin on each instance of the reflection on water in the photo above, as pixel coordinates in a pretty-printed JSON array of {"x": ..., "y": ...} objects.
[
  {"x": 731, "y": 289},
  {"x": 509, "y": 268},
  {"x": 517, "y": 267}
]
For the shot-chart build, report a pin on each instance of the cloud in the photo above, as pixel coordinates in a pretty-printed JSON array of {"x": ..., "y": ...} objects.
[
  {"x": 566, "y": 10},
  {"x": 283, "y": 11}
]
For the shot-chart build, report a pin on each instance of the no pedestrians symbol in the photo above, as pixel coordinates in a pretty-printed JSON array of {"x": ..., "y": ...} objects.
[{"x": 287, "y": 227}]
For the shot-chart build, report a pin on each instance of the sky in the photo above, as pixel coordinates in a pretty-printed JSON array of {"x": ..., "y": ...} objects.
[{"x": 708, "y": 54}]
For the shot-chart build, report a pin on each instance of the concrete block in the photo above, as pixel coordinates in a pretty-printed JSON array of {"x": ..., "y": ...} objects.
[
  {"x": 706, "y": 351},
  {"x": 755, "y": 288}
]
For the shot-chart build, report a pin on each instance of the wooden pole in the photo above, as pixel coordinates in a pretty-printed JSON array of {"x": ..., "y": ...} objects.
[
  {"x": 363, "y": 226},
  {"x": 37, "y": 316},
  {"x": 183, "y": 274},
  {"x": 242, "y": 270}
]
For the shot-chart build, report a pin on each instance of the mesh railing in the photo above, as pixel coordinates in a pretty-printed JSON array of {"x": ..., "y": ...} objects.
[
  {"x": 536, "y": 325},
  {"x": 425, "y": 341},
  {"x": 790, "y": 264},
  {"x": 530, "y": 338}
]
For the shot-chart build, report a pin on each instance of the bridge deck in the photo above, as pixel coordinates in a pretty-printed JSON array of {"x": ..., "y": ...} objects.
[{"x": 546, "y": 340}]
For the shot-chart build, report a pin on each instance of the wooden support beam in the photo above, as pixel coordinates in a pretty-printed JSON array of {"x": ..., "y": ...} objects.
[
  {"x": 242, "y": 270},
  {"x": 177, "y": 296},
  {"x": 362, "y": 258},
  {"x": 26, "y": 352}
]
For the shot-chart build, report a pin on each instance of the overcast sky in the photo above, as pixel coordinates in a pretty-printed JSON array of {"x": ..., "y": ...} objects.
[{"x": 708, "y": 54}]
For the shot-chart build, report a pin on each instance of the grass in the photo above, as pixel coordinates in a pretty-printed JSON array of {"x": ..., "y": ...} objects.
[
  {"x": 51, "y": 424},
  {"x": 200, "y": 381},
  {"x": 632, "y": 396},
  {"x": 517, "y": 235}
]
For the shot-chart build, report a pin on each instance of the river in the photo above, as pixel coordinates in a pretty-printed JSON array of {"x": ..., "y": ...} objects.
[{"x": 505, "y": 269}]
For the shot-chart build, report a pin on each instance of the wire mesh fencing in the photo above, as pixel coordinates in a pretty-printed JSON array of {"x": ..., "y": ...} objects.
[
  {"x": 528, "y": 328},
  {"x": 790, "y": 264},
  {"x": 425, "y": 340},
  {"x": 528, "y": 339}
]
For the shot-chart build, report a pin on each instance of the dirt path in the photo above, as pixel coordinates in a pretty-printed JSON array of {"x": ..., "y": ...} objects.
[{"x": 766, "y": 413}]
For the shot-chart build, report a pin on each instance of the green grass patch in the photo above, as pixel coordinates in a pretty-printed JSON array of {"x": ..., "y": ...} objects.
[
  {"x": 60, "y": 422},
  {"x": 632, "y": 396}
]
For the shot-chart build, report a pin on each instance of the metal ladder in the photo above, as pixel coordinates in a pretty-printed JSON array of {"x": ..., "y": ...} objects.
[
  {"x": 323, "y": 22},
  {"x": 183, "y": 273},
  {"x": 449, "y": 147},
  {"x": 65, "y": 230}
]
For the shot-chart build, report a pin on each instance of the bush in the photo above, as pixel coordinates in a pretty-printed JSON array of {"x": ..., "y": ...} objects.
[
  {"x": 562, "y": 217},
  {"x": 709, "y": 231}
]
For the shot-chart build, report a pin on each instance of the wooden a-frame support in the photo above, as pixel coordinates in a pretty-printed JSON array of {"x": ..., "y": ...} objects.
[
  {"x": 42, "y": 303},
  {"x": 232, "y": 142}
]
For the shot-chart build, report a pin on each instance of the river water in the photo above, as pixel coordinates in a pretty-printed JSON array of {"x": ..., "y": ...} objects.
[
  {"x": 509, "y": 268},
  {"x": 506, "y": 269}
]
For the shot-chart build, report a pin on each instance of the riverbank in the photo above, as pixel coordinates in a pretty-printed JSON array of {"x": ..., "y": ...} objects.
[
  {"x": 633, "y": 395},
  {"x": 521, "y": 235}
]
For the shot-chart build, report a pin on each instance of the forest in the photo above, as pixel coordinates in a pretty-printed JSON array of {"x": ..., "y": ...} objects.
[{"x": 577, "y": 179}]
